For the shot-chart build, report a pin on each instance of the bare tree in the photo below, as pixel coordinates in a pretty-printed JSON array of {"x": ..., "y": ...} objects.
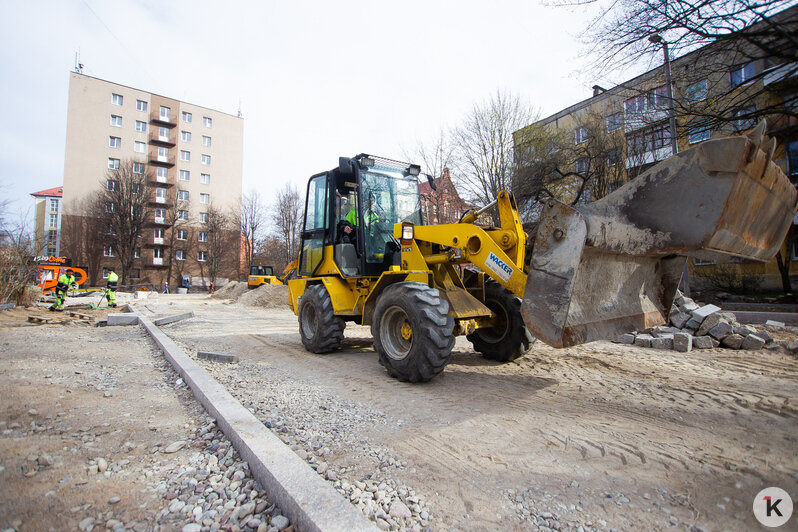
[
  {"x": 728, "y": 48},
  {"x": 287, "y": 219},
  {"x": 126, "y": 211},
  {"x": 222, "y": 244},
  {"x": 436, "y": 158},
  {"x": 17, "y": 270},
  {"x": 83, "y": 235},
  {"x": 252, "y": 218},
  {"x": 484, "y": 146},
  {"x": 177, "y": 220}
]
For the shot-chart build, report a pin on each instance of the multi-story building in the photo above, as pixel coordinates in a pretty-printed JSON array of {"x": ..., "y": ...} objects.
[
  {"x": 48, "y": 221},
  {"x": 442, "y": 205},
  {"x": 191, "y": 155},
  {"x": 614, "y": 135}
]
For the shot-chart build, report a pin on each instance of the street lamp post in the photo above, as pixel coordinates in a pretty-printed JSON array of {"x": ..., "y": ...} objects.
[{"x": 657, "y": 39}]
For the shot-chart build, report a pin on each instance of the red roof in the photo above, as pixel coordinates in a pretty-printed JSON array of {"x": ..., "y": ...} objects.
[{"x": 55, "y": 191}]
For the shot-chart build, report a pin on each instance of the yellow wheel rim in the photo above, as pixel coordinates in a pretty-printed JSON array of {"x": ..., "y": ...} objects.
[{"x": 407, "y": 331}]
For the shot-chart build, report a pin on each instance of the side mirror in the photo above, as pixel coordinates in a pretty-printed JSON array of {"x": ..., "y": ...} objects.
[
  {"x": 345, "y": 165},
  {"x": 431, "y": 182}
]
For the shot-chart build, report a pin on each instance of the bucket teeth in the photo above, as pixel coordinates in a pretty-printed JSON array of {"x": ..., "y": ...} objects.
[
  {"x": 769, "y": 147},
  {"x": 756, "y": 137}
]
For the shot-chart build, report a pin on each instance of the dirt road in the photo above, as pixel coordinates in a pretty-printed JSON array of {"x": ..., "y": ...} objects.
[{"x": 599, "y": 436}]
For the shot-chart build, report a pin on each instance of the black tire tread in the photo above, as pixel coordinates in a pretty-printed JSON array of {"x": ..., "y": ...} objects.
[
  {"x": 433, "y": 339},
  {"x": 330, "y": 331},
  {"x": 517, "y": 341}
]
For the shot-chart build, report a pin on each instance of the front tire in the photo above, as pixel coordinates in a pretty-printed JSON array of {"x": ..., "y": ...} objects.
[
  {"x": 413, "y": 332},
  {"x": 321, "y": 330},
  {"x": 509, "y": 338}
]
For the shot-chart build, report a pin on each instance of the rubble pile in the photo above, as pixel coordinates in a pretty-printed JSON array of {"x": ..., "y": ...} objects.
[{"x": 693, "y": 326}]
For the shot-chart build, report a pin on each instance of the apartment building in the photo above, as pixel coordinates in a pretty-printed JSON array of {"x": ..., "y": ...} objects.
[
  {"x": 191, "y": 155},
  {"x": 617, "y": 133},
  {"x": 48, "y": 221}
]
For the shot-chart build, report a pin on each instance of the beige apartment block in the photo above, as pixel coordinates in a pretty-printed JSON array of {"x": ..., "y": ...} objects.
[{"x": 192, "y": 154}]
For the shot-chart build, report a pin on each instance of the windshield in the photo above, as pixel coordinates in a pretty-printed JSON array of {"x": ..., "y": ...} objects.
[
  {"x": 388, "y": 197},
  {"x": 261, "y": 270}
]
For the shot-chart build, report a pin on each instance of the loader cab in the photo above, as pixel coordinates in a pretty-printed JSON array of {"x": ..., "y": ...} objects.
[{"x": 351, "y": 211}]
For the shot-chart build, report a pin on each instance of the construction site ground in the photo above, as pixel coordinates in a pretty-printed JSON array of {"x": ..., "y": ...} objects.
[{"x": 600, "y": 436}]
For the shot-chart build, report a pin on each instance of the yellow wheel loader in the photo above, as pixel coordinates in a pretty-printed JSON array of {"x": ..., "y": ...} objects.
[{"x": 593, "y": 272}]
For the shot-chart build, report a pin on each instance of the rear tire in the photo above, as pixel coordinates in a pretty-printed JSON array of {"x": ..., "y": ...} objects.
[
  {"x": 509, "y": 338},
  {"x": 413, "y": 332},
  {"x": 321, "y": 330}
]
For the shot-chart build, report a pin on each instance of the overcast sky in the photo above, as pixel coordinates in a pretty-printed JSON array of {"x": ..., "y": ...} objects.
[{"x": 315, "y": 79}]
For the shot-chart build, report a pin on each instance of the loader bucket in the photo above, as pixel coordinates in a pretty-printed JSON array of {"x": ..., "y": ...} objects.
[{"x": 613, "y": 266}]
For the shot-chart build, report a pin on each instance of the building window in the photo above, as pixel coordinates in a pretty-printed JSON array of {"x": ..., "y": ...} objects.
[
  {"x": 110, "y": 206},
  {"x": 203, "y": 216},
  {"x": 162, "y": 172},
  {"x": 106, "y": 271},
  {"x": 648, "y": 139},
  {"x": 206, "y": 160},
  {"x": 652, "y": 100},
  {"x": 203, "y": 236},
  {"x": 113, "y": 164},
  {"x": 185, "y": 136},
  {"x": 585, "y": 197},
  {"x": 206, "y": 141},
  {"x": 186, "y": 117},
  {"x": 580, "y": 135},
  {"x": 698, "y": 133},
  {"x": 116, "y": 121},
  {"x": 139, "y": 147},
  {"x": 582, "y": 165},
  {"x": 165, "y": 112},
  {"x": 157, "y": 253},
  {"x": 116, "y": 99},
  {"x": 184, "y": 175},
  {"x": 108, "y": 251},
  {"x": 163, "y": 154},
  {"x": 614, "y": 122},
  {"x": 697, "y": 92},
  {"x": 743, "y": 117},
  {"x": 182, "y": 215},
  {"x": 53, "y": 220},
  {"x": 141, "y": 105},
  {"x": 137, "y": 188},
  {"x": 109, "y": 229},
  {"x": 111, "y": 185},
  {"x": 206, "y": 121},
  {"x": 180, "y": 254},
  {"x": 138, "y": 168},
  {"x": 141, "y": 126},
  {"x": 742, "y": 74},
  {"x": 205, "y": 179},
  {"x": 160, "y": 194},
  {"x": 792, "y": 160},
  {"x": 182, "y": 234},
  {"x": 53, "y": 205},
  {"x": 114, "y": 142},
  {"x": 614, "y": 157},
  {"x": 202, "y": 256},
  {"x": 137, "y": 253},
  {"x": 205, "y": 199},
  {"x": 163, "y": 134},
  {"x": 158, "y": 233},
  {"x": 182, "y": 195},
  {"x": 185, "y": 155}
]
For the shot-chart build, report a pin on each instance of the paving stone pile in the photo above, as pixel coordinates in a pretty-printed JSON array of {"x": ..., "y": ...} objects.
[{"x": 692, "y": 326}]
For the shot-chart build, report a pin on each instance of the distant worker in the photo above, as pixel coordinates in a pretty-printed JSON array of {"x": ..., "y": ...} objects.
[
  {"x": 65, "y": 281},
  {"x": 166, "y": 287},
  {"x": 110, "y": 287}
]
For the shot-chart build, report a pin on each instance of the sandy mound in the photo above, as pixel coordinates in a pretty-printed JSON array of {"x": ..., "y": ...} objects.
[
  {"x": 231, "y": 290},
  {"x": 266, "y": 295}
]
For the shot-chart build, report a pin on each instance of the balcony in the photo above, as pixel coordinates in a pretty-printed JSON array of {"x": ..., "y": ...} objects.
[
  {"x": 157, "y": 261},
  {"x": 157, "y": 119},
  {"x": 161, "y": 160},
  {"x": 160, "y": 220},
  {"x": 161, "y": 140}
]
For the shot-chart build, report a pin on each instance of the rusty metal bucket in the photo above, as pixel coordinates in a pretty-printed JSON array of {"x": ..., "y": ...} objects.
[{"x": 613, "y": 266}]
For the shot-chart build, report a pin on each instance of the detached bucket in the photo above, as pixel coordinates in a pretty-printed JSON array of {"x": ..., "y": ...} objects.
[{"x": 613, "y": 266}]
